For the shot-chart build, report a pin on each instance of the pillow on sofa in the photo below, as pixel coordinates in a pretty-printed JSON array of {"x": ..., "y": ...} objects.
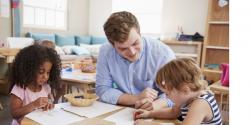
[
  {"x": 80, "y": 51},
  {"x": 59, "y": 50},
  {"x": 68, "y": 49},
  {"x": 98, "y": 40},
  {"x": 41, "y": 36},
  {"x": 83, "y": 40},
  {"x": 65, "y": 40},
  {"x": 93, "y": 49}
]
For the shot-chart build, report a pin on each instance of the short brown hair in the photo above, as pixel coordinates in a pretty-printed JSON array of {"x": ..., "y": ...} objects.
[
  {"x": 179, "y": 72},
  {"x": 119, "y": 25}
]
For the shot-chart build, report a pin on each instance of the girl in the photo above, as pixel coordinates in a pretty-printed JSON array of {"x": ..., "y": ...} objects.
[
  {"x": 33, "y": 68},
  {"x": 194, "y": 105}
]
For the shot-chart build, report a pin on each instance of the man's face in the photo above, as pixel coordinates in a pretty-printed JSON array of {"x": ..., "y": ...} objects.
[{"x": 130, "y": 49}]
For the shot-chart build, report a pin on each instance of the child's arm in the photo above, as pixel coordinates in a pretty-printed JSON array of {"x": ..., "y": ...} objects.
[
  {"x": 199, "y": 111},
  {"x": 164, "y": 113},
  {"x": 18, "y": 110}
]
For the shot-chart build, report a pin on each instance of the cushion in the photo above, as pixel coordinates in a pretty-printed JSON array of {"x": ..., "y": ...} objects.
[
  {"x": 83, "y": 40},
  {"x": 80, "y": 51},
  {"x": 59, "y": 50},
  {"x": 68, "y": 49},
  {"x": 93, "y": 49},
  {"x": 65, "y": 40},
  {"x": 41, "y": 36},
  {"x": 98, "y": 40}
]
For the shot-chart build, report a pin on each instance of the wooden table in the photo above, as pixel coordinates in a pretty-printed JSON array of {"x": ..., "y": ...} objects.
[{"x": 27, "y": 121}]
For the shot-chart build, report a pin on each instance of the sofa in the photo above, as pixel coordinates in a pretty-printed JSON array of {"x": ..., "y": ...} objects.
[{"x": 74, "y": 47}]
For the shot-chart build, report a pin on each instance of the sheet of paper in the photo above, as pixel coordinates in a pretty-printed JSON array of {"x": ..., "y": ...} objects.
[
  {"x": 98, "y": 108},
  {"x": 123, "y": 117},
  {"x": 57, "y": 116}
]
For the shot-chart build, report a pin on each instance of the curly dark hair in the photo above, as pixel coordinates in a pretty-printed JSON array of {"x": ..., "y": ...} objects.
[
  {"x": 27, "y": 62},
  {"x": 118, "y": 26}
]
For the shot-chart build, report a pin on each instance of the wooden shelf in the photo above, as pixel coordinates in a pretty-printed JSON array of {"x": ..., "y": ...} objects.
[
  {"x": 216, "y": 42},
  {"x": 219, "y": 22},
  {"x": 186, "y": 49},
  {"x": 212, "y": 70},
  {"x": 217, "y": 47},
  {"x": 186, "y": 55}
]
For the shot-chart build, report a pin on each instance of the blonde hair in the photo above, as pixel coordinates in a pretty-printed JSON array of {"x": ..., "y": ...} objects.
[{"x": 179, "y": 72}]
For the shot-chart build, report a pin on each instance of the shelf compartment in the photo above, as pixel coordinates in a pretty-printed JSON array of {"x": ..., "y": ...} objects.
[
  {"x": 219, "y": 13},
  {"x": 216, "y": 56},
  {"x": 218, "y": 35}
]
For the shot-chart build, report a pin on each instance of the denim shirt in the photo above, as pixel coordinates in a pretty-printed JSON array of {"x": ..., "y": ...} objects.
[{"x": 116, "y": 75}]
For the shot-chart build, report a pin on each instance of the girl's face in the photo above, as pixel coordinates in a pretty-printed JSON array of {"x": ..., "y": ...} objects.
[
  {"x": 43, "y": 73},
  {"x": 177, "y": 96}
]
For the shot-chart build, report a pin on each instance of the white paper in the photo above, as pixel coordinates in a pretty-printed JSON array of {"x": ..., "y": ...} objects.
[
  {"x": 123, "y": 117},
  {"x": 5, "y": 8},
  {"x": 98, "y": 108},
  {"x": 57, "y": 116}
]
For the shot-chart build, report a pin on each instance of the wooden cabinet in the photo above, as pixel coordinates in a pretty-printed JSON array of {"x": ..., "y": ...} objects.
[
  {"x": 186, "y": 49},
  {"x": 216, "y": 44}
]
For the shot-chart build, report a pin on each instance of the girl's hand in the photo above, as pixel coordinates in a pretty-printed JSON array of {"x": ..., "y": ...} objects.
[
  {"x": 142, "y": 114},
  {"x": 48, "y": 107},
  {"x": 40, "y": 102}
]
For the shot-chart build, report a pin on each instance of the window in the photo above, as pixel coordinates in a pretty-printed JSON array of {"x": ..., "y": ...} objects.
[
  {"x": 50, "y": 14},
  {"x": 148, "y": 13}
]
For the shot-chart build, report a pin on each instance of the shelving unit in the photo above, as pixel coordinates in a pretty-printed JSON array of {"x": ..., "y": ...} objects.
[
  {"x": 186, "y": 49},
  {"x": 216, "y": 44}
]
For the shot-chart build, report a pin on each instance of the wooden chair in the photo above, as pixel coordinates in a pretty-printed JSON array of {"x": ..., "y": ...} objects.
[{"x": 222, "y": 98}]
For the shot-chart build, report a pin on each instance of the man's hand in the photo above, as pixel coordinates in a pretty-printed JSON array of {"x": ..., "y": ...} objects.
[
  {"x": 148, "y": 93},
  {"x": 145, "y": 103}
]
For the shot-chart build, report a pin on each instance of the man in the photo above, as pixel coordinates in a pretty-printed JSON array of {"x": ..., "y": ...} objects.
[{"x": 127, "y": 65}]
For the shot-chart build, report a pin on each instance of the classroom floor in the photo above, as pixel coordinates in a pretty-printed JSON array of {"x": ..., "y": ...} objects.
[{"x": 5, "y": 117}]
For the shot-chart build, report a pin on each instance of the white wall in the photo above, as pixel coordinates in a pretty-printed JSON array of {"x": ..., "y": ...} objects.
[
  {"x": 190, "y": 14},
  {"x": 78, "y": 16},
  {"x": 99, "y": 11}
]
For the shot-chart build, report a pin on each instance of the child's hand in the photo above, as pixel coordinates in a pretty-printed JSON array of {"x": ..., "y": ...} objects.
[
  {"x": 48, "y": 107},
  {"x": 141, "y": 114},
  {"x": 40, "y": 102}
]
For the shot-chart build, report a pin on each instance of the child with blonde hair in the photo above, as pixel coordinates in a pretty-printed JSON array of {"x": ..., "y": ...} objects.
[
  {"x": 33, "y": 71},
  {"x": 194, "y": 105}
]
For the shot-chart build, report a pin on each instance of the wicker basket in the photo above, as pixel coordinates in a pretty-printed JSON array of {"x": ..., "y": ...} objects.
[{"x": 81, "y": 99}]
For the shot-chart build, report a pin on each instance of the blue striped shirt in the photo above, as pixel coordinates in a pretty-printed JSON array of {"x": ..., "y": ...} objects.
[
  {"x": 130, "y": 78},
  {"x": 216, "y": 119}
]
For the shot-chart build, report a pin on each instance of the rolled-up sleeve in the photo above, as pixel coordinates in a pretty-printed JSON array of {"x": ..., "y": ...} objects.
[{"x": 104, "y": 81}]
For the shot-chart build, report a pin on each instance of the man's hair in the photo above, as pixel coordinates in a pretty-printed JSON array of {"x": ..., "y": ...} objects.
[
  {"x": 27, "y": 62},
  {"x": 179, "y": 72},
  {"x": 119, "y": 25},
  {"x": 45, "y": 42}
]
